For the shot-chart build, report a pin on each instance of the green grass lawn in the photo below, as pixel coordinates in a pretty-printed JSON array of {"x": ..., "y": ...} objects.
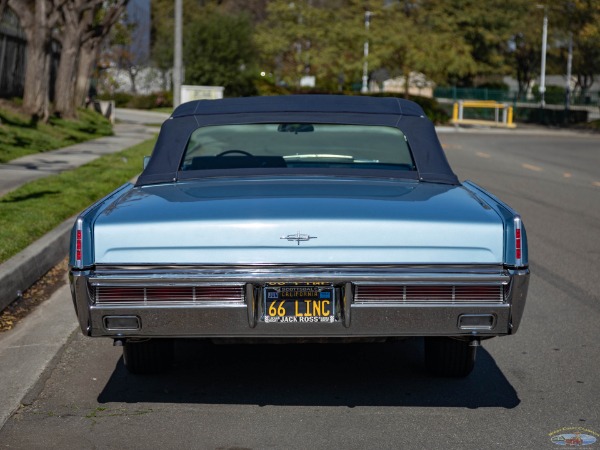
[
  {"x": 19, "y": 136},
  {"x": 31, "y": 211}
]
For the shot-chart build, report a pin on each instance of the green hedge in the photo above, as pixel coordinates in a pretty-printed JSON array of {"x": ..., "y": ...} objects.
[
  {"x": 162, "y": 99},
  {"x": 551, "y": 117}
]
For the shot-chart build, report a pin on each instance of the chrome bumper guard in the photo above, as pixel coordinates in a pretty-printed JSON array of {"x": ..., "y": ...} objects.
[{"x": 244, "y": 318}]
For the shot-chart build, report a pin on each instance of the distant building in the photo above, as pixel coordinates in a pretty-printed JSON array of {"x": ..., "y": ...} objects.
[{"x": 419, "y": 85}]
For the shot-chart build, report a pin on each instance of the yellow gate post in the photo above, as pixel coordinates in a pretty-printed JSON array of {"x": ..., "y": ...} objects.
[{"x": 507, "y": 113}]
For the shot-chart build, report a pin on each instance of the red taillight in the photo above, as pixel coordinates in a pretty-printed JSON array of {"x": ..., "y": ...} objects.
[
  {"x": 78, "y": 246},
  {"x": 518, "y": 248}
]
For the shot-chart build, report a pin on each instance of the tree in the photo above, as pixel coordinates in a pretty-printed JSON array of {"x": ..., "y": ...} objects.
[
  {"x": 339, "y": 52},
  {"x": 525, "y": 46},
  {"x": 289, "y": 39},
  {"x": 121, "y": 51},
  {"x": 256, "y": 9},
  {"x": 79, "y": 25},
  {"x": 310, "y": 37},
  {"x": 38, "y": 18},
  {"x": 219, "y": 50},
  {"x": 418, "y": 36},
  {"x": 129, "y": 42},
  {"x": 161, "y": 37},
  {"x": 77, "y": 17},
  {"x": 526, "y": 61},
  {"x": 580, "y": 19},
  {"x": 225, "y": 56},
  {"x": 104, "y": 18},
  {"x": 326, "y": 38}
]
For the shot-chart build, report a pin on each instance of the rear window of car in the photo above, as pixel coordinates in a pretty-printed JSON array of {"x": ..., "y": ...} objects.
[{"x": 297, "y": 145}]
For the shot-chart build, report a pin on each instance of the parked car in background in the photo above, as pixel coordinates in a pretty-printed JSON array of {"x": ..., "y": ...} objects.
[{"x": 299, "y": 218}]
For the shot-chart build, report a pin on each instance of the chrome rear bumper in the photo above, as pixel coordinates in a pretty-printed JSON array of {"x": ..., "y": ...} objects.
[{"x": 244, "y": 318}]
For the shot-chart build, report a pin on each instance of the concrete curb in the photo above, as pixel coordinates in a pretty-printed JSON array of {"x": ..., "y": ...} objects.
[{"x": 24, "y": 269}]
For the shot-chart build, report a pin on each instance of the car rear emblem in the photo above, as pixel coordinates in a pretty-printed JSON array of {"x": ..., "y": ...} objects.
[{"x": 298, "y": 237}]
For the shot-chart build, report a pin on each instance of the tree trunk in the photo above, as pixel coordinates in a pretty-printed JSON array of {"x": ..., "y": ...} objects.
[
  {"x": 585, "y": 81},
  {"x": 64, "y": 104},
  {"x": 37, "y": 77},
  {"x": 90, "y": 40},
  {"x": 77, "y": 19},
  {"x": 164, "y": 79},
  {"x": 85, "y": 67},
  {"x": 35, "y": 19}
]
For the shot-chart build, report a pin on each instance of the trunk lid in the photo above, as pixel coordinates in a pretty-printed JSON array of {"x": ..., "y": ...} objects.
[{"x": 310, "y": 220}]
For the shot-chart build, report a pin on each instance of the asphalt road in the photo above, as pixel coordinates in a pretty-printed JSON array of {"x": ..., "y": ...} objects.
[{"x": 524, "y": 387}]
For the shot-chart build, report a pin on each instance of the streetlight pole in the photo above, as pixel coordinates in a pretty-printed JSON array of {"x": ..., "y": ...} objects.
[
  {"x": 569, "y": 68},
  {"x": 543, "y": 70},
  {"x": 177, "y": 55},
  {"x": 365, "y": 77}
]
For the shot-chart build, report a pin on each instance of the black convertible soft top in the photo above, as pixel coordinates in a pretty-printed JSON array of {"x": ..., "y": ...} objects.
[{"x": 405, "y": 115}]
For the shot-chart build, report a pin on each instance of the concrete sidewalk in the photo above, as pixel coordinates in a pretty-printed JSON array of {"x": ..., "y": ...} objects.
[{"x": 28, "y": 168}]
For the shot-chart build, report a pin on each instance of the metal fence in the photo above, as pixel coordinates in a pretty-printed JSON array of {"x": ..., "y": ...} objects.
[{"x": 554, "y": 96}]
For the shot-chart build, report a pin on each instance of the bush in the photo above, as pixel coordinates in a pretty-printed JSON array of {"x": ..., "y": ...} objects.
[
  {"x": 554, "y": 94},
  {"x": 551, "y": 116},
  {"x": 121, "y": 98},
  {"x": 155, "y": 100},
  {"x": 142, "y": 102}
]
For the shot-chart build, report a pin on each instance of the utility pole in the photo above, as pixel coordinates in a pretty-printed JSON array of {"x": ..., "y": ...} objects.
[
  {"x": 569, "y": 69},
  {"x": 365, "y": 77},
  {"x": 177, "y": 55},
  {"x": 543, "y": 70}
]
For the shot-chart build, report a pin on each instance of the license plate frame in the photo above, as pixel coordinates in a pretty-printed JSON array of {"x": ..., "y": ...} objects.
[{"x": 302, "y": 302}]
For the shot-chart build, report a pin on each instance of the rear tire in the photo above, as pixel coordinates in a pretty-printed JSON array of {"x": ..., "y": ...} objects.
[
  {"x": 148, "y": 356},
  {"x": 449, "y": 357}
]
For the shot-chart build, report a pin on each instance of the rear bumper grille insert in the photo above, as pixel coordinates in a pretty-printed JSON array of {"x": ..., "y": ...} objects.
[
  {"x": 169, "y": 294},
  {"x": 412, "y": 294}
]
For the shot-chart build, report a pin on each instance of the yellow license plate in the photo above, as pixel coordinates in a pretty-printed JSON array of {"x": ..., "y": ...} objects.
[{"x": 299, "y": 302}]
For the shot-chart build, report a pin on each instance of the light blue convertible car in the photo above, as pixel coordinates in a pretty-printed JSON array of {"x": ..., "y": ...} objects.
[{"x": 300, "y": 218}]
